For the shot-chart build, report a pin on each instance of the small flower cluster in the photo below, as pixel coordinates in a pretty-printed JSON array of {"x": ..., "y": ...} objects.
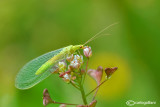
[{"x": 68, "y": 74}]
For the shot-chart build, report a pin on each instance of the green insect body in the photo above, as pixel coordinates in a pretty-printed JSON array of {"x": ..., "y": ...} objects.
[{"x": 66, "y": 51}]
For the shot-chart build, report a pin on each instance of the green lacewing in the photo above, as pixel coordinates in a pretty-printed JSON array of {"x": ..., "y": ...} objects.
[{"x": 43, "y": 66}]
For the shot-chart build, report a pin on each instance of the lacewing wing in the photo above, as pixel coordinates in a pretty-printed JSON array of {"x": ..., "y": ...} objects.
[{"x": 26, "y": 77}]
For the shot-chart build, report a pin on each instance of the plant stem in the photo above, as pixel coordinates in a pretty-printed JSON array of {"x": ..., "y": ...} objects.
[
  {"x": 82, "y": 91},
  {"x": 63, "y": 103},
  {"x": 83, "y": 95},
  {"x": 96, "y": 87},
  {"x": 95, "y": 93},
  {"x": 85, "y": 70},
  {"x": 75, "y": 85}
]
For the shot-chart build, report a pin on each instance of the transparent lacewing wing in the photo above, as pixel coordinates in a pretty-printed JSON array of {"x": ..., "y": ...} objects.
[{"x": 26, "y": 78}]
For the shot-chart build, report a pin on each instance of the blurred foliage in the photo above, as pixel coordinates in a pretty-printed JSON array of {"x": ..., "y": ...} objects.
[{"x": 33, "y": 27}]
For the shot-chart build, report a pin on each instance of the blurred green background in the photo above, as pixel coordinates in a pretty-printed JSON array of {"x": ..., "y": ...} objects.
[{"x": 31, "y": 28}]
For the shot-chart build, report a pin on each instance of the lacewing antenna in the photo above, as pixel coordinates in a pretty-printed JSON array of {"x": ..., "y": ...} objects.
[{"x": 98, "y": 34}]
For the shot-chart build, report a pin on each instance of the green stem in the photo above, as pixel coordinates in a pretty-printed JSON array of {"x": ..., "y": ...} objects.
[
  {"x": 82, "y": 91},
  {"x": 63, "y": 103},
  {"x": 83, "y": 95},
  {"x": 85, "y": 71},
  {"x": 75, "y": 85},
  {"x": 95, "y": 94}
]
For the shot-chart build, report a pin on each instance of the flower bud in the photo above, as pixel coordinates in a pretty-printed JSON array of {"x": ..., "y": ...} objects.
[
  {"x": 61, "y": 75},
  {"x": 68, "y": 72},
  {"x": 70, "y": 68},
  {"x": 96, "y": 74},
  {"x": 110, "y": 71},
  {"x": 87, "y": 51},
  {"x": 70, "y": 58},
  {"x": 73, "y": 78}
]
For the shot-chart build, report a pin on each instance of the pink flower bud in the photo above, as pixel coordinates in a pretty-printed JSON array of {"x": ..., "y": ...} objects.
[
  {"x": 61, "y": 75},
  {"x": 110, "y": 71},
  {"x": 96, "y": 74},
  {"x": 46, "y": 98},
  {"x": 68, "y": 72},
  {"x": 73, "y": 78},
  {"x": 87, "y": 51}
]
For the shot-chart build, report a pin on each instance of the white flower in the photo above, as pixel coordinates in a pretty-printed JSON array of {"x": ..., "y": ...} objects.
[
  {"x": 62, "y": 66},
  {"x": 75, "y": 64},
  {"x": 66, "y": 76},
  {"x": 79, "y": 58}
]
